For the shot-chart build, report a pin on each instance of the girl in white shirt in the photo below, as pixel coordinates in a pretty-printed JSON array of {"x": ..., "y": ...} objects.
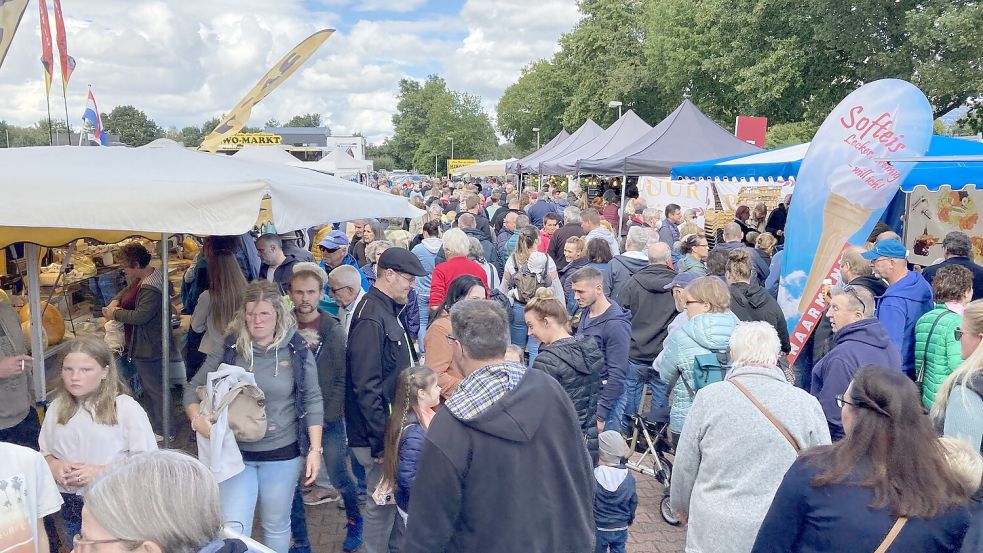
[{"x": 91, "y": 423}]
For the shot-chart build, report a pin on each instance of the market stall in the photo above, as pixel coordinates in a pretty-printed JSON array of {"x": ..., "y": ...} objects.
[
  {"x": 512, "y": 167},
  {"x": 108, "y": 194},
  {"x": 937, "y": 197}
]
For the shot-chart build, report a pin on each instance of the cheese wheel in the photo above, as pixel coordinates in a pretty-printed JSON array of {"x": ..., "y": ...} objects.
[{"x": 54, "y": 323}]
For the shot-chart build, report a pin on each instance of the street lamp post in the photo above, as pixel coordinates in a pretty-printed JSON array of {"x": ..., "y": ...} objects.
[
  {"x": 451, "y": 138},
  {"x": 615, "y": 104},
  {"x": 536, "y": 130}
]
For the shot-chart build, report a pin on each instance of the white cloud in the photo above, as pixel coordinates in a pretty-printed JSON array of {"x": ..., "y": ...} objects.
[
  {"x": 788, "y": 302},
  {"x": 184, "y": 62}
]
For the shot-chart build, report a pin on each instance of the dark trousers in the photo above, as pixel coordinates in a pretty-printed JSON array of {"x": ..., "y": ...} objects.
[
  {"x": 71, "y": 514},
  {"x": 611, "y": 541},
  {"x": 151, "y": 378}
]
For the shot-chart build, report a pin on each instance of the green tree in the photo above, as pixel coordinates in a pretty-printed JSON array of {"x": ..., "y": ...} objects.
[
  {"x": 412, "y": 117},
  {"x": 306, "y": 120},
  {"x": 536, "y": 100},
  {"x": 273, "y": 122},
  {"x": 132, "y": 126},
  {"x": 790, "y": 134},
  {"x": 971, "y": 123}
]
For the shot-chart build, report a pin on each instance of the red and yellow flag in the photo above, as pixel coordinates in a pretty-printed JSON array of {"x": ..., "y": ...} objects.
[
  {"x": 236, "y": 119},
  {"x": 67, "y": 62},
  {"x": 10, "y": 15},
  {"x": 47, "y": 57}
]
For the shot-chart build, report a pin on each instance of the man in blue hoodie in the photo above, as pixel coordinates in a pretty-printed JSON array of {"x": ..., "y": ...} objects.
[
  {"x": 610, "y": 325},
  {"x": 859, "y": 340},
  {"x": 908, "y": 297}
]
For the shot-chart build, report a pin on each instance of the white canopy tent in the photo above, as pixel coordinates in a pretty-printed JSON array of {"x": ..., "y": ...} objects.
[
  {"x": 490, "y": 168},
  {"x": 65, "y": 193},
  {"x": 339, "y": 163},
  {"x": 269, "y": 154}
]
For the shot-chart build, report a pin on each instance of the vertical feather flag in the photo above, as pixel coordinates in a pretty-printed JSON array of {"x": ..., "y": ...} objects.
[
  {"x": 10, "y": 15},
  {"x": 239, "y": 116},
  {"x": 47, "y": 57},
  {"x": 67, "y": 62}
]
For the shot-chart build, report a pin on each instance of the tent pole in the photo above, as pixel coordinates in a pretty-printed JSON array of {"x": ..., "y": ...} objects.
[
  {"x": 165, "y": 340},
  {"x": 32, "y": 252},
  {"x": 621, "y": 212}
]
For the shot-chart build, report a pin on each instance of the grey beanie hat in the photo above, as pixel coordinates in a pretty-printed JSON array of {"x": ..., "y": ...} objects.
[{"x": 612, "y": 446}]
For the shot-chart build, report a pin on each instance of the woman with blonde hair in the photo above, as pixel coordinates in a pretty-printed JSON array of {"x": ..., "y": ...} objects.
[
  {"x": 263, "y": 341},
  {"x": 765, "y": 244},
  {"x": 91, "y": 424},
  {"x": 574, "y": 361},
  {"x": 708, "y": 330},
  {"x": 958, "y": 408}
]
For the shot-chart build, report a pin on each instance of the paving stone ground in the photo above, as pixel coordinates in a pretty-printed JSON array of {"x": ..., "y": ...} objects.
[{"x": 649, "y": 534}]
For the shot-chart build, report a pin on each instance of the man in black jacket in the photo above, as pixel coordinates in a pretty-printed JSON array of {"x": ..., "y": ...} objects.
[
  {"x": 571, "y": 227},
  {"x": 776, "y": 220},
  {"x": 958, "y": 249},
  {"x": 277, "y": 266},
  {"x": 378, "y": 349},
  {"x": 652, "y": 308},
  {"x": 505, "y": 428},
  {"x": 326, "y": 338}
]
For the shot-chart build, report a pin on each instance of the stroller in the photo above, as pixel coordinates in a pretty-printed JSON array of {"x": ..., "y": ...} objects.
[{"x": 649, "y": 435}]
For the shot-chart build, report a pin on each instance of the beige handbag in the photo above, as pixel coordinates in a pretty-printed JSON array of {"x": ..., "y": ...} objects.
[{"x": 247, "y": 410}]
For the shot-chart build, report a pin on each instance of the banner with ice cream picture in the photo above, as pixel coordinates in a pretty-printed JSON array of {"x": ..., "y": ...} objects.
[{"x": 843, "y": 187}]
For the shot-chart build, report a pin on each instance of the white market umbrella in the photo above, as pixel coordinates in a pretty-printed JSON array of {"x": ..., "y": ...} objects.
[{"x": 69, "y": 192}]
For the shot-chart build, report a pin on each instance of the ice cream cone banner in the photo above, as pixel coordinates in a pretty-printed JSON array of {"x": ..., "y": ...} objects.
[{"x": 843, "y": 187}]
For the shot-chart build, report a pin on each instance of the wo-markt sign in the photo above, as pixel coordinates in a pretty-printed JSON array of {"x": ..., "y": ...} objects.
[
  {"x": 239, "y": 140},
  {"x": 453, "y": 164},
  {"x": 846, "y": 177}
]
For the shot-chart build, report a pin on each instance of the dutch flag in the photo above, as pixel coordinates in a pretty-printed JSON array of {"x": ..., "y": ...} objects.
[{"x": 92, "y": 116}]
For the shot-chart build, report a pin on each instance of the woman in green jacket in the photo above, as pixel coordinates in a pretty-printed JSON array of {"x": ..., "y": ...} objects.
[{"x": 937, "y": 352}]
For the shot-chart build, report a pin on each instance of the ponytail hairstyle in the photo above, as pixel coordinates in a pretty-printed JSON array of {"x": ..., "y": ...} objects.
[
  {"x": 547, "y": 306},
  {"x": 411, "y": 381},
  {"x": 524, "y": 246}
]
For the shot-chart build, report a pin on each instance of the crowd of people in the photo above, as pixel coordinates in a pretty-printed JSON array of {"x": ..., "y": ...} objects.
[{"x": 463, "y": 381}]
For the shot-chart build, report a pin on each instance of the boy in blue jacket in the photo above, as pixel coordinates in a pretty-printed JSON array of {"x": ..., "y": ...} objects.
[{"x": 614, "y": 495}]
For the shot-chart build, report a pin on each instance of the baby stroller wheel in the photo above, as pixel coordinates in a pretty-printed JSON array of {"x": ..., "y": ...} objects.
[{"x": 666, "y": 511}]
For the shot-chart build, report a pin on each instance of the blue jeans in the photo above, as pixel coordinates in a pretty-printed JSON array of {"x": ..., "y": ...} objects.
[
  {"x": 611, "y": 541},
  {"x": 424, "y": 303},
  {"x": 641, "y": 373},
  {"x": 273, "y": 484},
  {"x": 616, "y": 414},
  {"x": 519, "y": 332},
  {"x": 335, "y": 446},
  {"x": 71, "y": 514}
]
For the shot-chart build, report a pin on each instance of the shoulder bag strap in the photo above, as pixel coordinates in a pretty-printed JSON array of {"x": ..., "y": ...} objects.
[
  {"x": 921, "y": 366},
  {"x": 767, "y": 413},
  {"x": 889, "y": 539}
]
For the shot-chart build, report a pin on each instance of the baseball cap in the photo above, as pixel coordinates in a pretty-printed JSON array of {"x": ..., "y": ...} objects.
[
  {"x": 401, "y": 260},
  {"x": 334, "y": 240},
  {"x": 682, "y": 280},
  {"x": 891, "y": 248}
]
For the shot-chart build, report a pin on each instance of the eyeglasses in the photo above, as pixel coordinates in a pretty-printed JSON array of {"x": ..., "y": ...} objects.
[
  {"x": 452, "y": 338},
  {"x": 333, "y": 291},
  {"x": 78, "y": 540},
  {"x": 852, "y": 290},
  {"x": 410, "y": 279},
  {"x": 958, "y": 333},
  {"x": 694, "y": 301},
  {"x": 840, "y": 402}
]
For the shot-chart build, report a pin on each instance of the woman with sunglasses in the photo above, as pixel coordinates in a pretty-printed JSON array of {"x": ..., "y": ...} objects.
[
  {"x": 958, "y": 408},
  {"x": 886, "y": 482}
]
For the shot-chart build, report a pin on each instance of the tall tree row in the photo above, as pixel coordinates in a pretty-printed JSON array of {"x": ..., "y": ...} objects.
[{"x": 790, "y": 61}]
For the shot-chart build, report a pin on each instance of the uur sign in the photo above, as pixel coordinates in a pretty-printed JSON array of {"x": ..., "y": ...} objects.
[
  {"x": 847, "y": 177},
  {"x": 659, "y": 192}
]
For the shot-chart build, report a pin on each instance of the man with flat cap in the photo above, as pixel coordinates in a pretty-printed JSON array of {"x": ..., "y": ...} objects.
[{"x": 378, "y": 349}]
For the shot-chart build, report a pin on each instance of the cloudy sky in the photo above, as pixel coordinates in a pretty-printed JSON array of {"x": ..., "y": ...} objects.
[{"x": 184, "y": 61}]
